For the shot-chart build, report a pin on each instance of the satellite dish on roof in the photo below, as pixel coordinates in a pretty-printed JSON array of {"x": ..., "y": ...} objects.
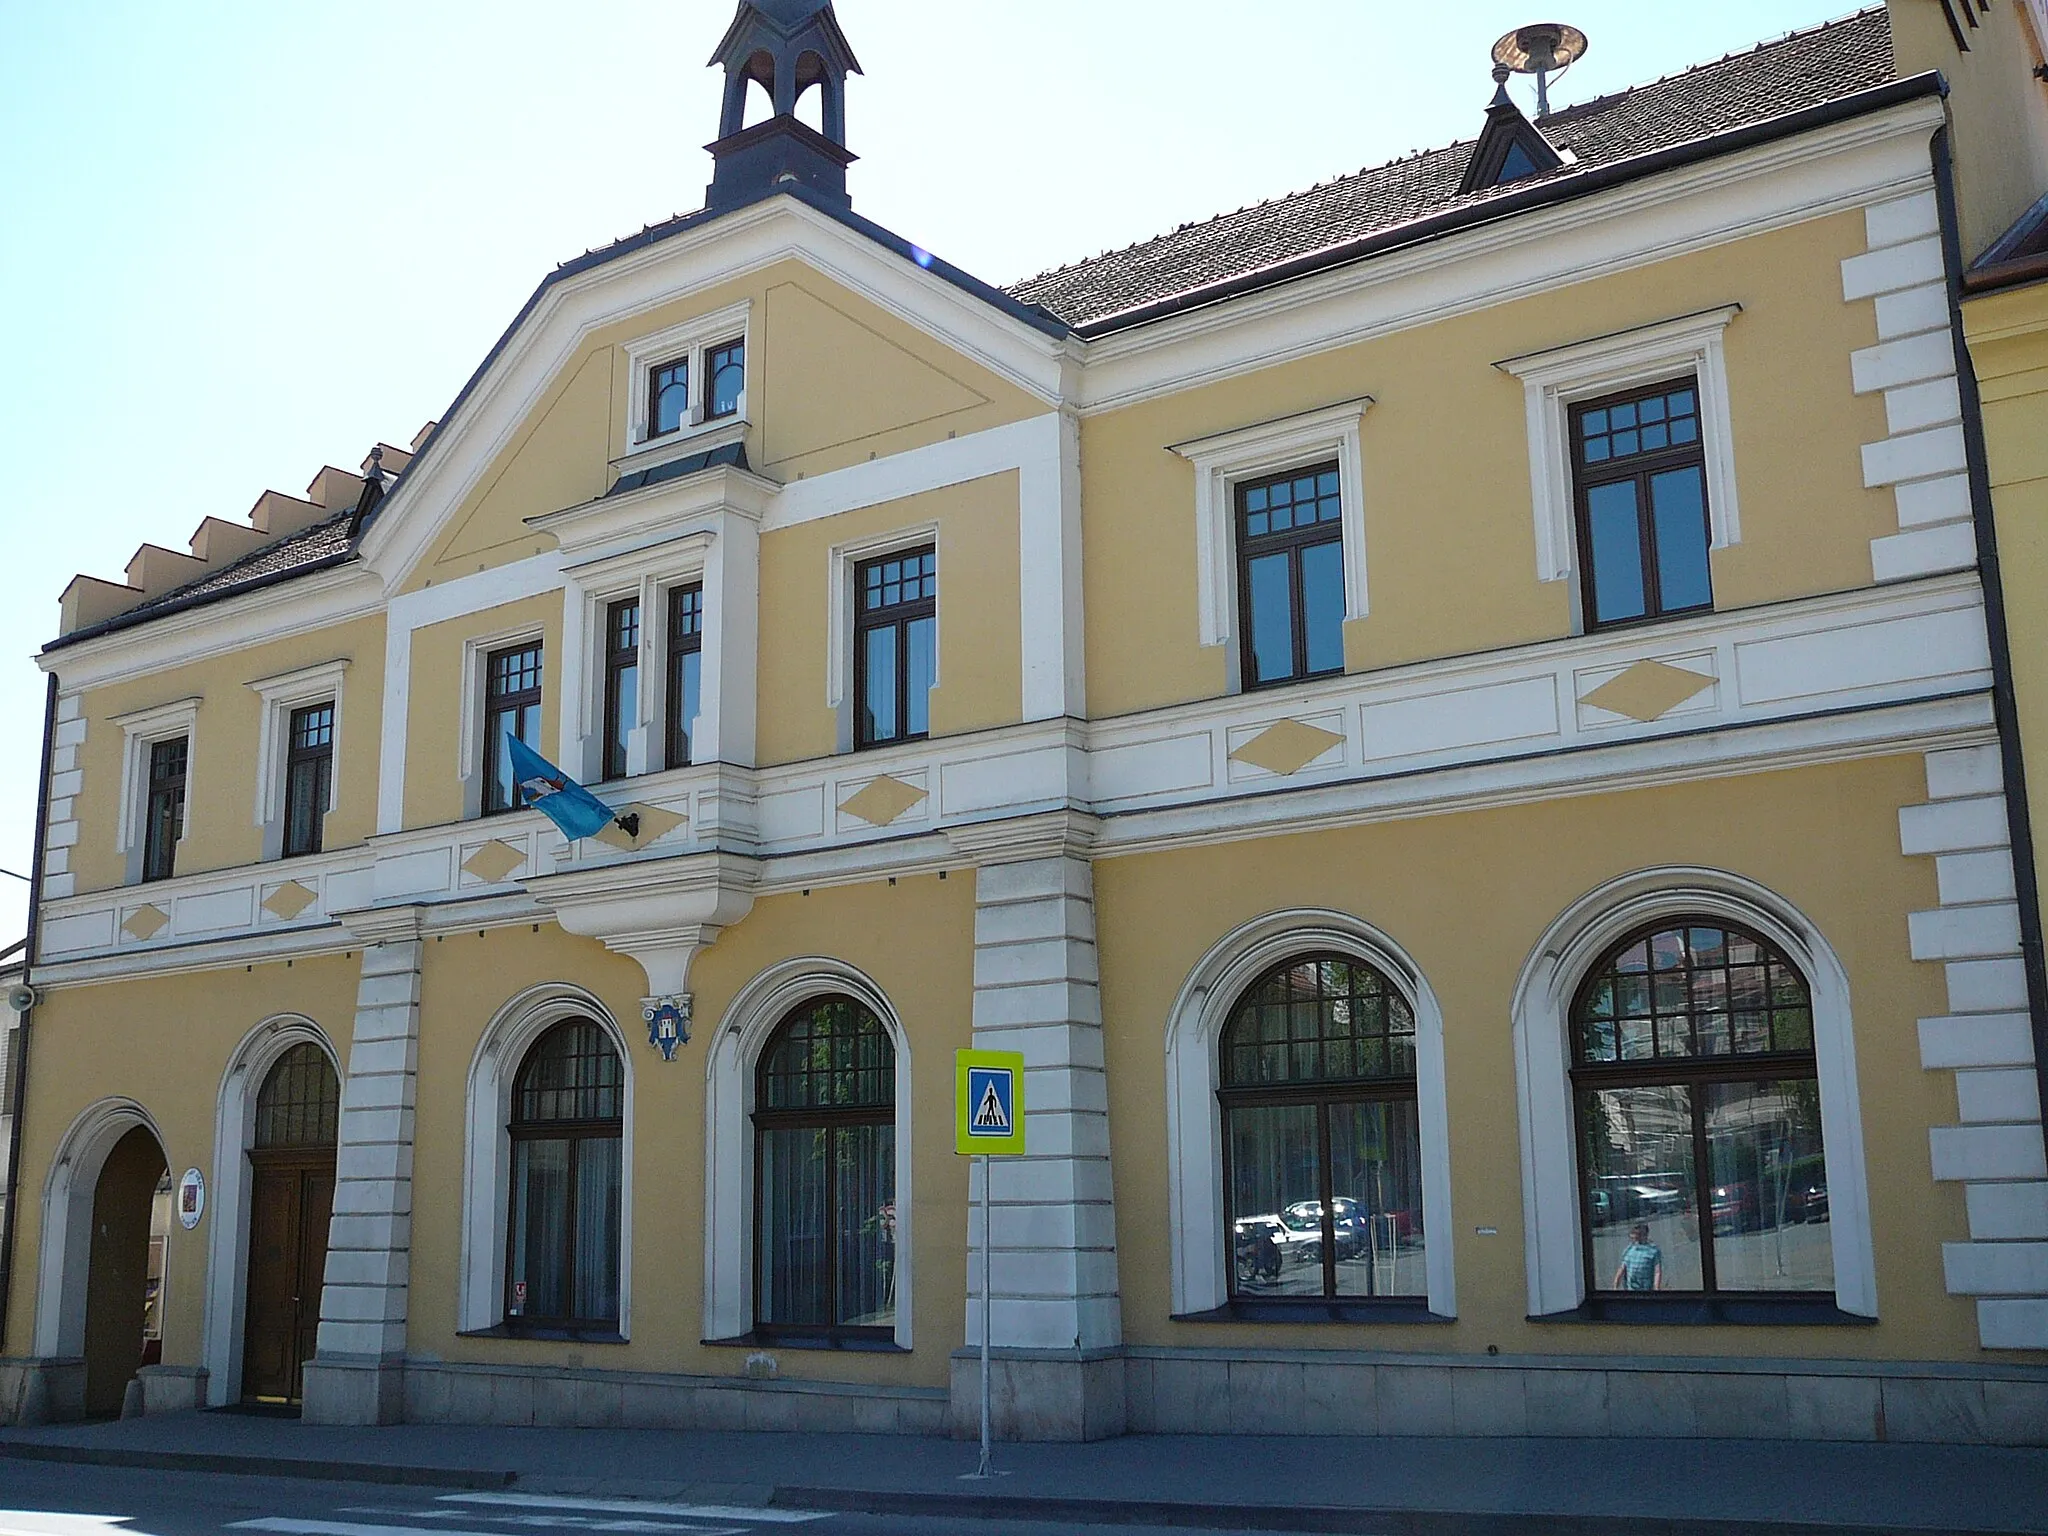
[{"x": 1542, "y": 48}]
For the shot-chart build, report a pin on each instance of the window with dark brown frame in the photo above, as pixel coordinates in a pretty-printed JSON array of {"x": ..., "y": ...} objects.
[
  {"x": 1322, "y": 1148},
  {"x": 163, "y": 812},
  {"x": 1290, "y": 574},
  {"x": 1701, "y": 1166},
  {"x": 512, "y": 681},
  {"x": 564, "y": 1227},
  {"x": 1640, "y": 489},
  {"x": 895, "y": 633},
  {"x": 725, "y": 372},
  {"x": 299, "y": 1104},
  {"x": 308, "y": 777},
  {"x": 668, "y": 397},
  {"x": 621, "y": 682},
  {"x": 825, "y": 1175},
  {"x": 685, "y": 669}
]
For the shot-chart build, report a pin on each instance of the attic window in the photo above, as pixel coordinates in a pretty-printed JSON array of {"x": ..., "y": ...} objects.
[
  {"x": 1516, "y": 166},
  {"x": 687, "y": 379}
]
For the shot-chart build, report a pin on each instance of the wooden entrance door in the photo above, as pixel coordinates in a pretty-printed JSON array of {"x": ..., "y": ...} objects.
[{"x": 291, "y": 1196}]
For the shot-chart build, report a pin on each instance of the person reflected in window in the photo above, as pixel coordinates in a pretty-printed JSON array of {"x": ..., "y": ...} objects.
[{"x": 1642, "y": 1262}]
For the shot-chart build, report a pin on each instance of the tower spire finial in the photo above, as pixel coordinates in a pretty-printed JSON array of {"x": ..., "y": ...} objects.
[{"x": 788, "y": 47}]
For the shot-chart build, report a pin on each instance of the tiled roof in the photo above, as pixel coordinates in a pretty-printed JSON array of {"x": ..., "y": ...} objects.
[
  {"x": 1804, "y": 69},
  {"x": 319, "y": 542}
]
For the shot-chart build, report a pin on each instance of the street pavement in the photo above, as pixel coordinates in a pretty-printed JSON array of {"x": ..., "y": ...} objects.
[
  {"x": 666, "y": 1480},
  {"x": 44, "y": 1499}
]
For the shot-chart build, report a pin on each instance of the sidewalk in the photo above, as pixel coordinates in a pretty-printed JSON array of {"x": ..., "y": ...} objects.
[{"x": 1296, "y": 1484}]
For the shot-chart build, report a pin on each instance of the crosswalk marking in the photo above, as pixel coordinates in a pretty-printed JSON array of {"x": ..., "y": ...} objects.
[{"x": 758, "y": 1516}]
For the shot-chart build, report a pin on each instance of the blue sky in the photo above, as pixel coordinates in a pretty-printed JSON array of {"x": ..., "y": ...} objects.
[{"x": 243, "y": 239}]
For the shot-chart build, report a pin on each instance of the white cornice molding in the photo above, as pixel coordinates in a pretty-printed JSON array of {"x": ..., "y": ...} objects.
[
  {"x": 1731, "y": 197},
  {"x": 659, "y": 912},
  {"x": 654, "y": 514},
  {"x": 295, "y": 607}
]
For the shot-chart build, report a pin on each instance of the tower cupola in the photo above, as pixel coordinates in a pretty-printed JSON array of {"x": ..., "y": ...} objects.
[{"x": 789, "y": 47}]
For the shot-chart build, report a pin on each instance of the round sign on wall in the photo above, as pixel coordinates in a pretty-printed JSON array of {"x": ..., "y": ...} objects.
[{"x": 191, "y": 1198}]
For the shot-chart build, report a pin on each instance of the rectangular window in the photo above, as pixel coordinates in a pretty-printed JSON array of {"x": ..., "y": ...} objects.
[
  {"x": 1640, "y": 476},
  {"x": 164, "y": 811},
  {"x": 308, "y": 777},
  {"x": 511, "y": 708},
  {"x": 621, "y": 682},
  {"x": 726, "y": 369},
  {"x": 894, "y": 646},
  {"x": 685, "y": 669},
  {"x": 668, "y": 397},
  {"x": 1290, "y": 550}
]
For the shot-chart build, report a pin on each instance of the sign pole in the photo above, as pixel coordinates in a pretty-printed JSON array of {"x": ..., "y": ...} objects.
[
  {"x": 988, "y": 1123},
  {"x": 987, "y": 1247}
]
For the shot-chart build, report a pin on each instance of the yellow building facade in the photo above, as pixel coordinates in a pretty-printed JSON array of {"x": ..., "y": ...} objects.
[{"x": 1452, "y": 719}]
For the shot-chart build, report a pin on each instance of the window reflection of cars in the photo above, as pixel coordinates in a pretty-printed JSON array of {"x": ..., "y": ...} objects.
[
  {"x": 1735, "y": 1208},
  {"x": 1348, "y": 1222},
  {"x": 1259, "y": 1243}
]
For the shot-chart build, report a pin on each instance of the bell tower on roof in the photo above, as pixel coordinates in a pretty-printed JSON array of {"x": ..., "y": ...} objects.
[{"x": 789, "y": 46}]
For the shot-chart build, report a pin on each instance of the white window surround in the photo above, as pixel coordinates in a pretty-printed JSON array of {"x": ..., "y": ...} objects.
[
  {"x": 731, "y": 1056},
  {"x": 841, "y": 562},
  {"x": 64, "y": 1254},
  {"x": 1542, "y": 1001},
  {"x": 1558, "y": 376},
  {"x": 1194, "y": 1121},
  {"x": 592, "y": 589},
  {"x": 691, "y": 339},
  {"x": 487, "y": 1156},
  {"x": 281, "y": 695},
  {"x": 227, "y": 1198},
  {"x": 140, "y": 730},
  {"x": 2037, "y": 13},
  {"x": 1269, "y": 448},
  {"x": 469, "y": 742}
]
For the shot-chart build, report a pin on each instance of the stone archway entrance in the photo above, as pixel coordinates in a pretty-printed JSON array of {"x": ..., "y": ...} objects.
[{"x": 124, "y": 1277}]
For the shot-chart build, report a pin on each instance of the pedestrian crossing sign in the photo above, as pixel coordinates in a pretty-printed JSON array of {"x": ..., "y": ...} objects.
[{"x": 989, "y": 1103}]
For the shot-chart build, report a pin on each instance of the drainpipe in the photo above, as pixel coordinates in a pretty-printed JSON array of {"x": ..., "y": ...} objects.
[
  {"x": 28, "y": 964},
  {"x": 2019, "y": 824}
]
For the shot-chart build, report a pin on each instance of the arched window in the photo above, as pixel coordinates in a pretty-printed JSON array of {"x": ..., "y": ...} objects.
[
  {"x": 299, "y": 1105},
  {"x": 825, "y": 1175},
  {"x": 562, "y": 1247},
  {"x": 1321, "y": 1145},
  {"x": 1701, "y": 1168}
]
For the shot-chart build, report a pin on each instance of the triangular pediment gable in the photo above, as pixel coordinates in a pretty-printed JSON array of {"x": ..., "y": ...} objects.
[{"x": 543, "y": 412}]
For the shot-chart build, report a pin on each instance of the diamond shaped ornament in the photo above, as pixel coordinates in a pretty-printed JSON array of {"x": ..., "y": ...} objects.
[
  {"x": 289, "y": 900},
  {"x": 1647, "y": 691},
  {"x": 493, "y": 861},
  {"x": 880, "y": 801},
  {"x": 145, "y": 922},
  {"x": 655, "y": 824},
  {"x": 1286, "y": 747}
]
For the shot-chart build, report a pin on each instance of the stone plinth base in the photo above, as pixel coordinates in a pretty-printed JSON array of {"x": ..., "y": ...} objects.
[
  {"x": 42, "y": 1390},
  {"x": 354, "y": 1392},
  {"x": 439, "y": 1392},
  {"x": 172, "y": 1388},
  {"x": 1341, "y": 1392},
  {"x": 1040, "y": 1394}
]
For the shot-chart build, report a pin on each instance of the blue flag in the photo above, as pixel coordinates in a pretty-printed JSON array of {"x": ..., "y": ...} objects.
[{"x": 566, "y": 803}]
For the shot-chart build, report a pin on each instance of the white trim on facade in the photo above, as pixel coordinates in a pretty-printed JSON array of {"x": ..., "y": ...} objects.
[
  {"x": 487, "y": 1148},
  {"x": 692, "y": 339},
  {"x": 64, "y": 1248},
  {"x": 1542, "y": 1003},
  {"x": 1194, "y": 1136},
  {"x": 281, "y": 695},
  {"x": 140, "y": 730},
  {"x": 1557, "y": 377},
  {"x": 730, "y": 1056},
  {"x": 1223, "y": 460},
  {"x": 223, "y": 1325}
]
